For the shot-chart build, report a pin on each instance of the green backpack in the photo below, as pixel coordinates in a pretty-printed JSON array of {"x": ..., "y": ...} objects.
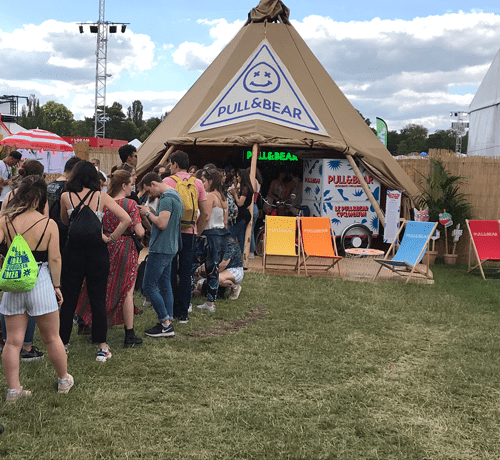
[{"x": 20, "y": 269}]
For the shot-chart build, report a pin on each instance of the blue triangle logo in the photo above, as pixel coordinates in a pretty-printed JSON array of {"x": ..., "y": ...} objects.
[{"x": 263, "y": 89}]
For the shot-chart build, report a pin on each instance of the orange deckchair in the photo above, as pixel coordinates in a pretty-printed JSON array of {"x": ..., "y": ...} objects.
[
  {"x": 279, "y": 240},
  {"x": 318, "y": 241},
  {"x": 484, "y": 242}
]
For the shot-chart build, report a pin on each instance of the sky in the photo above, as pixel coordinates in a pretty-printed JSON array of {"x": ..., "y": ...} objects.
[{"x": 403, "y": 62}]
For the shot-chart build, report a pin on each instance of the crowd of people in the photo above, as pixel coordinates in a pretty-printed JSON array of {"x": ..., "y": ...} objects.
[{"x": 86, "y": 229}]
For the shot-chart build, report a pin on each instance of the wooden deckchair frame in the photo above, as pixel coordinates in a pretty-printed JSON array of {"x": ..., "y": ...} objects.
[
  {"x": 265, "y": 255},
  {"x": 406, "y": 269},
  {"x": 472, "y": 247},
  {"x": 335, "y": 260}
]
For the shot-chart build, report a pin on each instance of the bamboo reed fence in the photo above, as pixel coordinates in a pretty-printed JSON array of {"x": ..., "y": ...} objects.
[{"x": 481, "y": 185}]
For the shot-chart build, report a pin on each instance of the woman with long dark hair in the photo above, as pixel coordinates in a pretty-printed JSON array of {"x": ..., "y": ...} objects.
[
  {"x": 243, "y": 199},
  {"x": 123, "y": 261},
  {"x": 28, "y": 168},
  {"x": 212, "y": 243},
  {"x": 22, "y": 216},
  {"x": 84, "y": 260}
]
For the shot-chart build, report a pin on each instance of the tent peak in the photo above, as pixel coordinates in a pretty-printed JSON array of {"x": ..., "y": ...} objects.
[{"x": 269, "y": 10}]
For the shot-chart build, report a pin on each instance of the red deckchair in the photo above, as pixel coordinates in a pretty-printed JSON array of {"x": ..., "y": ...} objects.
[{"x": 484, "y": 242}]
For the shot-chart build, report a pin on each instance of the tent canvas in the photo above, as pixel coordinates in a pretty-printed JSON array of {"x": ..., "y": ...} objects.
[
  {"x": 333, "y": 125},
  {"x": 484, "y": 115}
]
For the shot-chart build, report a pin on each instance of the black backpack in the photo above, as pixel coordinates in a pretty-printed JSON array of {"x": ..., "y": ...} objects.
[{"x": 85, "y": 228}]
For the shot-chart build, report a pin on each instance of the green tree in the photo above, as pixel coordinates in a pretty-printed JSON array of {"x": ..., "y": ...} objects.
[
  {"x": 414, "y": 139},
  {"x": 442, "y": 139},
  {"x": 135, "y": 113},
  {"x": 57, "y": 118},
  {"x": 83, "y": 128},
  {"x": 32, "y": 115},
  {"x": 114, "y": 121},
  {"x": 148, "y": 128}
]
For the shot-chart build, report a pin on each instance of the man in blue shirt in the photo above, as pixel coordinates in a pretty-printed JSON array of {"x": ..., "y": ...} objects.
[{"x": 164, "y": 244}]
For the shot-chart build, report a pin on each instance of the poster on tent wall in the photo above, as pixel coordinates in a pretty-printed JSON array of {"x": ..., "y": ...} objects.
[
  {"x": 332, "y": 189},
  {"x": 53, "y": 162}
]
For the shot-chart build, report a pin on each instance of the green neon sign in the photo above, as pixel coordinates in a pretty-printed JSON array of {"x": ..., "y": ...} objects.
[{"x": 274, "y": 156}]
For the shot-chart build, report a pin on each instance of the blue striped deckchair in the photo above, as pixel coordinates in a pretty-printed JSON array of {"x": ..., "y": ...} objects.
[{"x": 411, "y": 250}]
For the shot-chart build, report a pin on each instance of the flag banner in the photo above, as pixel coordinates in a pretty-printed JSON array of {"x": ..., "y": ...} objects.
[{"x": 382, "y": 131}]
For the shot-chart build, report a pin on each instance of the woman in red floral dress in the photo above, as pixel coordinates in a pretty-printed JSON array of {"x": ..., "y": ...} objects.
[{"x": 123, "y": 258}]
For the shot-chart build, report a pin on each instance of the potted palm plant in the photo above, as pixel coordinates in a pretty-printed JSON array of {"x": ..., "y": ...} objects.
[{"x": 442, "y": 195}]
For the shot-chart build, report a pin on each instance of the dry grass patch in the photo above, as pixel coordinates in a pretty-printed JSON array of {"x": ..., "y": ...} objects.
[{"x": 222, "y": 328}]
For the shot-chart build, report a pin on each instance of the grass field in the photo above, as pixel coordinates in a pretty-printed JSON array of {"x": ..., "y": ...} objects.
[{"x": 307, "y": 368}]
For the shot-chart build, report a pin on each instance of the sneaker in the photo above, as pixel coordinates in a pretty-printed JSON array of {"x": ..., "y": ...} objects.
[
  {"x": 64, "y": 385},
  {"x": 14, "y": 395},
  {"x": 146, "y": 303},
  {"x": 190, "y": 309},
  {"x": 31, "y": 355},
  {"x": 103, "y": 355},
  {"x": 235, "y": 293},
  {"x": 183, "y": 320},
  {"x": 251, "y": 255},
  {"x": 160, "y": 331},
  {"x": 206, "y": 307}
]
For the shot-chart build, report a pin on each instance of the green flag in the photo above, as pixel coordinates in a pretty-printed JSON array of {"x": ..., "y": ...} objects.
[{"x": 382, "y": 130}]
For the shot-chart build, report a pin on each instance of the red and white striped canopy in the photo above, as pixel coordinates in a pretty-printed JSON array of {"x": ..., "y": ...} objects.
[{"x": 37, "y": 139}]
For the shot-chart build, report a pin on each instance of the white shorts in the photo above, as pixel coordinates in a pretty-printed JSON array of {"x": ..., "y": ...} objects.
[
  {"x": 39, "y": 301},
  {"x": 237, "y": 273}
]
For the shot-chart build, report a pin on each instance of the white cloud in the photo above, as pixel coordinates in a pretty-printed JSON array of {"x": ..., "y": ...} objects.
[
  {"x": 55, "y": 61},
  {"x": 396, "y": 69},
  {"x": 197, "y": 56}
]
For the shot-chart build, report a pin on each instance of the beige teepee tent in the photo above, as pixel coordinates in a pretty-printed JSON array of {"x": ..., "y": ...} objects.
[
  {"x": 333, "y": 123},
  {"x": 266, "y": 90}
]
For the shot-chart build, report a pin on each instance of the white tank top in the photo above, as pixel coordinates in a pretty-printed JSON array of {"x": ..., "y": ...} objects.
[{"x": 216, "y": 219}]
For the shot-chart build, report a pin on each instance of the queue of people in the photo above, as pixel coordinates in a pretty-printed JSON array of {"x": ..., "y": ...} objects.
[{"x": 87, "y": 243}]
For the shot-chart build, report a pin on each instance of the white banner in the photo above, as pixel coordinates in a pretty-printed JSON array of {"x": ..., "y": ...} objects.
[{"x": 392, "y": 213}]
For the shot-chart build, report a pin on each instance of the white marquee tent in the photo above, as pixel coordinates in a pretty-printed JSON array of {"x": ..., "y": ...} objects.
[{"x": 484, "y": 115}]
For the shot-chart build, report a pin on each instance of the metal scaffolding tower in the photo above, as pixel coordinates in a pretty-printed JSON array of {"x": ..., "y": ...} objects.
[
  {"x": 101, "y": 53},
  {"x": 102, "y": 28},
  {"x": 459, "y": 128}
]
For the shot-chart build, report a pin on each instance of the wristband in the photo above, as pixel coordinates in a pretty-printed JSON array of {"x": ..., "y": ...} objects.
[
  {"x": 57, "y": 287},
  {"x": 148, "y": 213}
]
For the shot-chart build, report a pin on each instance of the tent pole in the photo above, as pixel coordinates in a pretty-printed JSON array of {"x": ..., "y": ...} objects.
[
  {"x": 248, "y": 232},
  {"x": 167, "y": 154},
  {"x": 368, "y": 192}
]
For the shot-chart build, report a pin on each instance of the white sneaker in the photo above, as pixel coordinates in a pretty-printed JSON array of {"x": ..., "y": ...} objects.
[
  {"x": 146, "y": 303},
  {"x": 251, "y": 255},
  {"x": 235, "y": 293},
  {"x": 190, "y": 309},
  {"x": 206, "y": 307}
]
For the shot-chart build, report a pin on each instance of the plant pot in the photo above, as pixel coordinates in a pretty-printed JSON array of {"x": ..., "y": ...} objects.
[
  {"x": 450, "y": 259},
  {"x": 431, "y": 255}
]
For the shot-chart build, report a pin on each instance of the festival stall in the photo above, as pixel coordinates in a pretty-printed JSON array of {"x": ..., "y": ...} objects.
[{"x": 266, "y": 91}]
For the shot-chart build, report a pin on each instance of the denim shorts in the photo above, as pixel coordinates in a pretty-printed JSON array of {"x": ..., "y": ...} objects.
[{"x": 41, "y": 300}]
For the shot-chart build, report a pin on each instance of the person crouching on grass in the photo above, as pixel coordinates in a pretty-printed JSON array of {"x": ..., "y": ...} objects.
[{"x": 164, "y": 244}]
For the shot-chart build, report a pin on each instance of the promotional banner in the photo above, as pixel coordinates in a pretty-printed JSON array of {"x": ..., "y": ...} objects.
[
  {"x": 332, "y": 189},
  {"x": 262, "y": 89},
  {"x": 382, "y": 130},
  {"x": 392, "y": 213}
]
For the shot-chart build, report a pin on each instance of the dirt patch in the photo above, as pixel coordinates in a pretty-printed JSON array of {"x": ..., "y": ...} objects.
[{"x": 221, "y": 328}]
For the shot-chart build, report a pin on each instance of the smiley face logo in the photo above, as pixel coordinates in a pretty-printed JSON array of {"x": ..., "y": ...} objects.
[{"x": 262, "y": 78}]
